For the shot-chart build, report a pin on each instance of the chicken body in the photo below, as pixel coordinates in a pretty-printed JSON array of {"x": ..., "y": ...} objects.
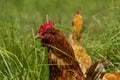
[
  {"x": 63, "y": 66},
  {"x": 76, "y": 41}
]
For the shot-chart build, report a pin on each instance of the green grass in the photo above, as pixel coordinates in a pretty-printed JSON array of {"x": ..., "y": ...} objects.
[
  {"x": 23, "y": 58},
  {"x": 103, "y": 41}
]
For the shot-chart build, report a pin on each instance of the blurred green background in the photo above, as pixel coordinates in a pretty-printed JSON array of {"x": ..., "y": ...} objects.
[{"x": 23, "y": 58}]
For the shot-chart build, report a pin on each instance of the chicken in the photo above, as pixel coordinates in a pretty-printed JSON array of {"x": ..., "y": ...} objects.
[
  {"x": 63, "y": 66},
  {"x": 112, "y": 76},
  {"x": 77, "y": 26},
  {"x": 76, "y": 41},
  {"x": 96, "y": 70}
]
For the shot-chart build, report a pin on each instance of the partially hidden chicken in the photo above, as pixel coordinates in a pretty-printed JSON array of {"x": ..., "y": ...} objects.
[
  {"x": 112, "y": 76},
  {"x": 76, "y": 41},
  {"x": 63, "y": 65}
]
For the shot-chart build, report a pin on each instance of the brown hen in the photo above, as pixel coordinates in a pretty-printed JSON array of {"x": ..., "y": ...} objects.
[{"x": 63, "y": 66}]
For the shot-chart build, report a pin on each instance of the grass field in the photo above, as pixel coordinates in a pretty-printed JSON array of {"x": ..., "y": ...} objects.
[{"x": 23, "y": 58}]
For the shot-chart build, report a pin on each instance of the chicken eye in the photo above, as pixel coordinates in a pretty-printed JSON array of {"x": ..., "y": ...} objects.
[{"x": 44, "y": 34}]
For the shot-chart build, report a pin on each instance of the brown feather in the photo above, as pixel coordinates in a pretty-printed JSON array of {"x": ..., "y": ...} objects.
[{"x": 96, "y": 70}]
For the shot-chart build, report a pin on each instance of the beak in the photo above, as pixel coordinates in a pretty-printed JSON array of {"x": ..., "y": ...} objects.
[{"x": 37, "y": 36}]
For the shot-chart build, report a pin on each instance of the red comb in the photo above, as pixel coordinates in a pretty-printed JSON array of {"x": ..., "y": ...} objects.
[{"x": 46, "y": 26}]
